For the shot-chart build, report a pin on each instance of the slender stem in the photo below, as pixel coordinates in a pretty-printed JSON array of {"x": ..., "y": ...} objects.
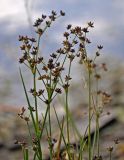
[
  {"x": 30, "y": 134},
  {"x": 49, "y": 142},
  {"x": 57, "y": 58},
  {"x": 36, "y": 105},
  {"x": 64, "y": 61},
  {"x": 94, "y": 142},
  {"x": 97, "y": 117},
  {"x": 37, "y": 119},
  {"x": 67, "y": 116},
  {"x": 43, "y": 100},
  {"x": 97, "y": 124},
  {"x": 67, "y": 109},
  {"x": 34, "y": 80},
  {"x": 61, "y": 130},
  {"x": 35, "y": 97},
  {"x": 30, "y": 108},
  {"x": 50, "y": 131},
  {"x": 40, "y": 75},
  {"x": 110, "y": 155},
  {"x": 89, "y": 116},
  {"x": 44, "y": 122}
]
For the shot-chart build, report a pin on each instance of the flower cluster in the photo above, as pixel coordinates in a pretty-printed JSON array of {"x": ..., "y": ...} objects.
[{"x": 55, "y": 79}]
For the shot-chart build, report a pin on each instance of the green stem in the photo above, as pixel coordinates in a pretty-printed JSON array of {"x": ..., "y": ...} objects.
[
  {"x": 89, "y": 116},
  {"x": 98, "y": 135},
  {"x": 67, "y": 109},
  {"x": 29, "y": 105},
  {"x": 61, "y": 130},
  {"x": 97, "y": 117},
  {"x": 30, "y": 135},
  {"x": 110, "y": 155},
  {"x": 36, "y": 108},
  {"x": 36, "y": 114},
  {"x": 67, "y": 116},
  {"x": 50, "y": 131},
  {"x": 50, "y": 143},
  {"x": 44, "y": 122}
]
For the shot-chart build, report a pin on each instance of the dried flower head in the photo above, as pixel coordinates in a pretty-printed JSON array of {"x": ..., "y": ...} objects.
[
  {"x": 90, "y": 24},
  {"x": 62, "y": 13},
  {"x": 58, "y": 90},
  {"x": 99, "y": 47},
  {"x": 69, "y": 26},
  {"x": 116, "y": 141},
  {"x": 110, "y": 149}
]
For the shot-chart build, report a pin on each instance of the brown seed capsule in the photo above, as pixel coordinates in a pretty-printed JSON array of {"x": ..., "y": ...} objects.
[
  {"x": 40, "y": 92},
  {"x": 62, "y": 13},
  {"x": 21, "y": 60},
  {"x": 58, "y": 90},
  {"x": 48, "y": 23},
  {"x": 110, "y": 149},
  {"x": 97, "y": 76},
  {"x": 23, "y": 47},
  {"x": 44, "y": 16},
  {"x": 26, "y": 119},
  {"x": 21, "y": 38},
  {"x": 45, "y": 68},
  {"x": 16, "y": 142},
  {"x": 97, "y": 54},
  {"x": 85, "y": 30},
  {"x": 116, "y": 141},
  {"x": 90, "y": 24},
  {"x": 32, "y": 39},
  {"x": 67, "y": 78},
  {"x": 53, "y": 55},
  {"x": 66, "y": 34},
  {"x": 39, "y": 31},
  {"x": 69, "y": 26},
  {"x": 54, "y": 13},
  {"x": 66, "y": 86},
  {"x": 99, "y": 47}
]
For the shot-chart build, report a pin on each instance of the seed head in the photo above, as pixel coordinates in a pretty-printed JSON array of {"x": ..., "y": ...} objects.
[
  {"x": 40, "y": 59},
  {"x": 90, "y": 24},
  {"x": 21, "y": 38},
  {"x": 39, "y": 31},
  {"x": 21, "y": 60},
  {"x": 45, "y": 68},
  {"x": 66, "y": 86},
  {"x": 44, "y": 16},
  {"x": 62, "y": 13},
  {"x": 66, "y": 34},
  {"x": 110, "y": 149},
  {"x": 54, "y": 13},
  {"x": 97, "y": 76},
  {"x": 40, "y": 92},
  {"x": 32, "y": 40},
  {"x": 97, "y": 54},
  {"x": 48, "y": 23},
  {"x": 58, "y": 90},
  {"x": 116, "y": 141},
  {"x": 85, "y": 30},
  {"x": 71, "y": 57},
  {"x": 53, "y": 55},
  {"x": 26, "y": 119},
  {"x": 99, "y": 47},
  {"x": 104, "y": 67},
  {"x": 69, "y": 26}
]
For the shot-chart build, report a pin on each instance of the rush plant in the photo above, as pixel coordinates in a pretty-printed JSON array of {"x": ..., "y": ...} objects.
[{"x": 54, "y": 78}]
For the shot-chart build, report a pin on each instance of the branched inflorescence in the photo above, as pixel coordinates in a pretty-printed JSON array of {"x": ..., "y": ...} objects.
[{"x": 54, "y": 82}]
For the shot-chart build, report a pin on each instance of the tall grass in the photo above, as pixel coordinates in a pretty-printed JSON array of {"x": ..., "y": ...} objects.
[{"x": 55, "y": 79}]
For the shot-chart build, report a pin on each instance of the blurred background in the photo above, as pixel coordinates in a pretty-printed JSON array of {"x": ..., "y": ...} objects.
[{"x": 17, "y": 17}]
